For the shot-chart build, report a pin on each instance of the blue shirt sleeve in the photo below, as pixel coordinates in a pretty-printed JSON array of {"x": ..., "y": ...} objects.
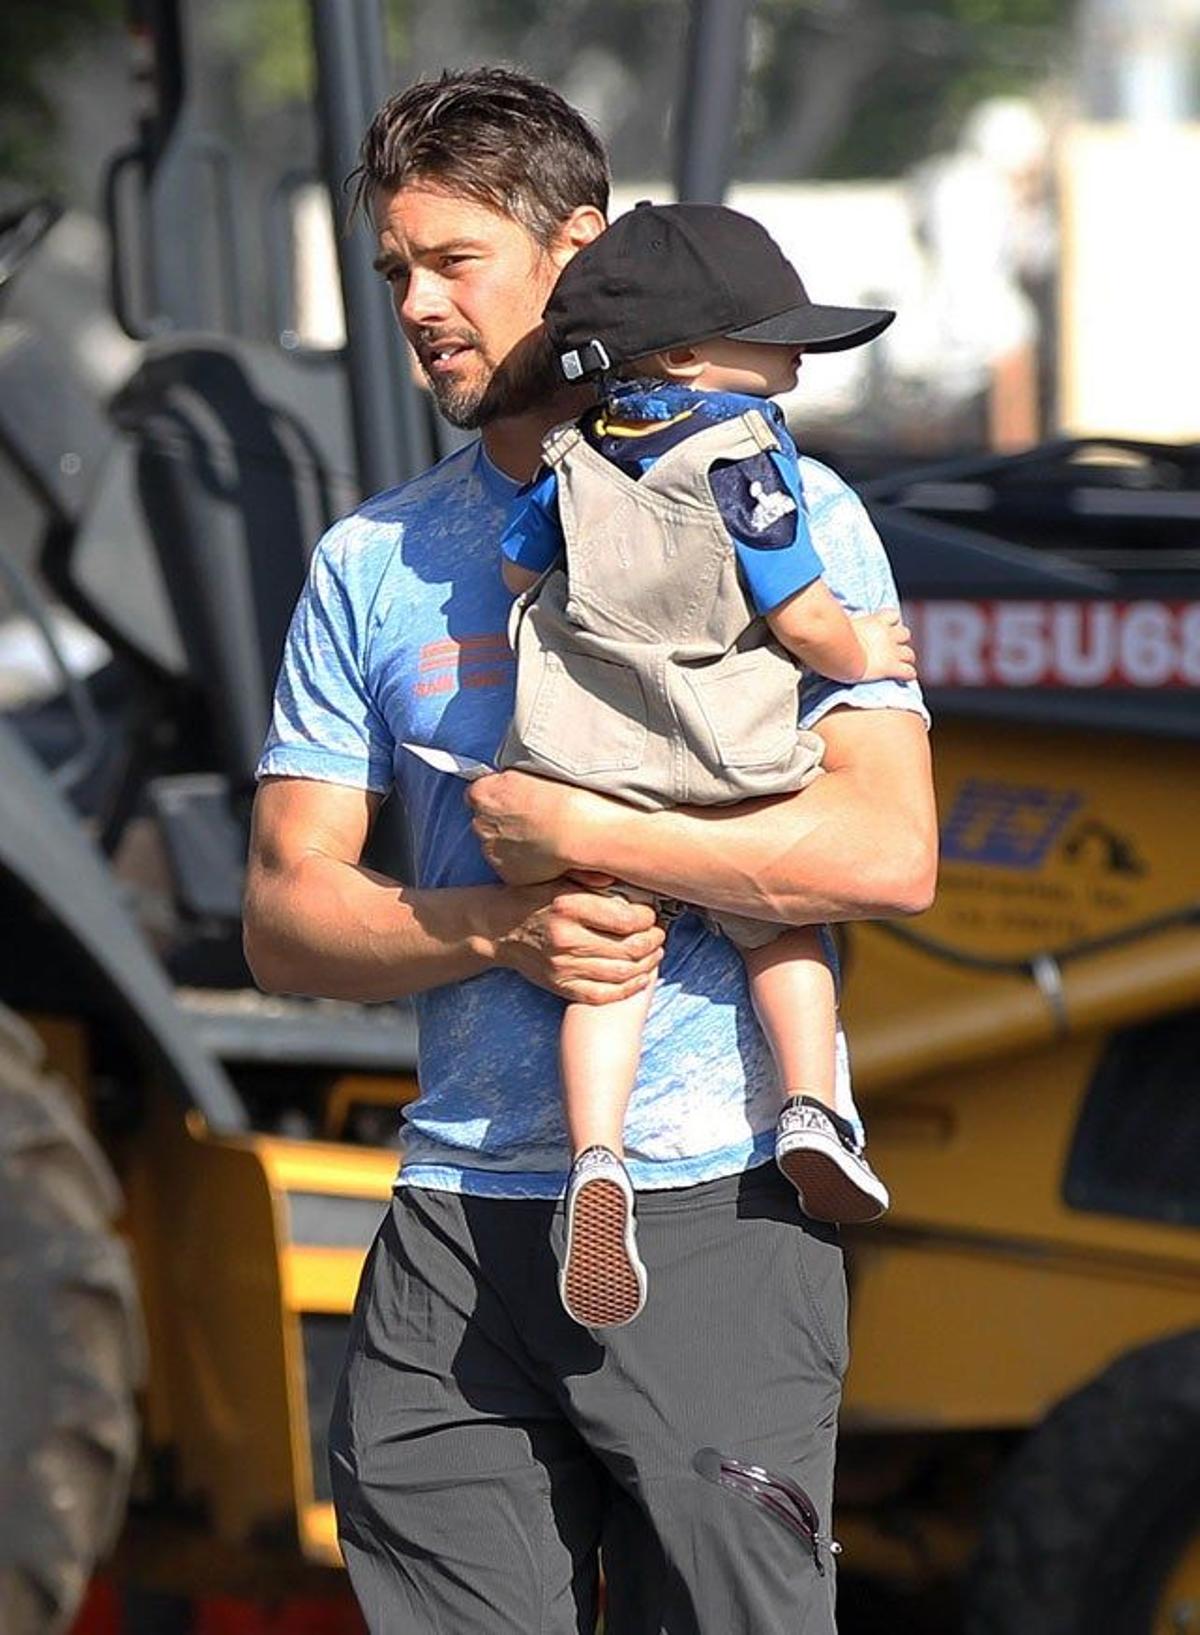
[
  {"x": 325, "y": 724},
  {"x": 858, "y": 573},
  {"x": 532, "y": 536},
  {"x": 761, "y": 501}
]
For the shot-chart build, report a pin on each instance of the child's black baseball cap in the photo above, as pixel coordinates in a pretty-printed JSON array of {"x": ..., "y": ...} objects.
[{"x": 666, "y": 275}]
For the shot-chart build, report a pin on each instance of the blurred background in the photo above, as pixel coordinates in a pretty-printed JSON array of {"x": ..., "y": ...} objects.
[{"x": 198, "y": 372}]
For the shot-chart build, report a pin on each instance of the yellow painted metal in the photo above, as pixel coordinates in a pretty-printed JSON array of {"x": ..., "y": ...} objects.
[
  {"x": 370, "y": 1089},
  {"x": 1125, "y": 853},
  {"x": 156, "y": 1552},
  {"x": 909, "y": 1012},
  {"x": 953, "y": 1338},
  {"x": 320, "y": 1279},
  {"x": 326, "y": 1166},
  {"x": 67, "y": 1052},
  {"x": 1178, "y": 1609},
  {"x": 1125, "y": 856},
  {"x": 986, "y": 1156},
  {"x": 206, "y": 1235},
  {"x": 225, "y": 1292},
  {"x": 318, "y": 1534},
  {"x": 315, "y": 1278},
  {"x": 984, "y": 1298}
]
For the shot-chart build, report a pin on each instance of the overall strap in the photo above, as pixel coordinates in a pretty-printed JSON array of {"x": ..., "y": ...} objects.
[
  {"x": 760, "y": 428},
  {"x": 559, "y": 441}
]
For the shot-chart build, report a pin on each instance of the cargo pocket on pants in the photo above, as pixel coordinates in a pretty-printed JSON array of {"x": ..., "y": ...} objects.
[{"x": 821, "y": 1274}]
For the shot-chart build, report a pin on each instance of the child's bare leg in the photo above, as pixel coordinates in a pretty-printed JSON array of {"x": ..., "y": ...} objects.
[
  {"x": 602, "y": 1282},
  {"x": 598, "y": 1051},
  {"x": 796, "y": 1002}
]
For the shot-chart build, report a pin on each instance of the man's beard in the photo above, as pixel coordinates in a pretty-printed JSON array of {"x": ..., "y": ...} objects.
[{"x": 528, "y": 376}]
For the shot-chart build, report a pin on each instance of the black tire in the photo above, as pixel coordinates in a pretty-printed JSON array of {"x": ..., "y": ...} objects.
[
  {"x": 1097, "y": 1505},
  {"x": 71, "y": 1349}
]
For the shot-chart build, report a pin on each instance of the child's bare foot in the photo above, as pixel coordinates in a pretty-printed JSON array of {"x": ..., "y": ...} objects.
[
  {"x": 602, "y": 1282},
  {"x": 816, "y": 1149}
]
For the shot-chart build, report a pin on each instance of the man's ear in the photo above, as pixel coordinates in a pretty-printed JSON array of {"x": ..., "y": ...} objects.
[{"x": 582, "y": 226}]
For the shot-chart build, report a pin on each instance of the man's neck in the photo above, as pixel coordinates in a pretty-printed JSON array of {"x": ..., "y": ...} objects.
[{"x": 514, "y": 444}]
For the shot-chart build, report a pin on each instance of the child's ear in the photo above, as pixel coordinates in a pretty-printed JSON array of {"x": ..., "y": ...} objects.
[{"x": 681, "y": 361}]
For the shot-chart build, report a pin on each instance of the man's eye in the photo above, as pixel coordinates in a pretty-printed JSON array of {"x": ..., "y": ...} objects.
[
  {"x": 455, "y": 260},
  {"x": 396, "y": 275}
]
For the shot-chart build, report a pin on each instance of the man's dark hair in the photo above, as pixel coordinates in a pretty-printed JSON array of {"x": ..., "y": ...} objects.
[{"x": 493, "y": 136}]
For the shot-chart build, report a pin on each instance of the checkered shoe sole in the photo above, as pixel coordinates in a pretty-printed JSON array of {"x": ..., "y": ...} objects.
[
  {"x": 600, "y": 1282},
  {"x": 833, "y": 1184}
]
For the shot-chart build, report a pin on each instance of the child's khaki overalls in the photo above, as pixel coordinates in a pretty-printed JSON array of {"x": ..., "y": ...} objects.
[{"x": 642, "y": 669}]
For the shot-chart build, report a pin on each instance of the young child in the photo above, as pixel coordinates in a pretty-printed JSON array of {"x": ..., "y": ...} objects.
[{"x": 669, "y": 595}]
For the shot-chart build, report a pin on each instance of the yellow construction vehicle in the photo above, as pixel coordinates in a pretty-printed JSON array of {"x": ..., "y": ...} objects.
[{"x": 190, "y": 1173}]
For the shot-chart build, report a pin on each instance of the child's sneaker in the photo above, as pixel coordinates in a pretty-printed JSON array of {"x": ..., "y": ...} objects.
[
  {"x": 602, "y": 1282},
  {"x": 816, "y": 1149}
]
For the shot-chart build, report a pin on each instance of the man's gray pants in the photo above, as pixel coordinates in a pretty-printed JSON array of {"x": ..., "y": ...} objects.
[{"x": 487, "y": 1452}]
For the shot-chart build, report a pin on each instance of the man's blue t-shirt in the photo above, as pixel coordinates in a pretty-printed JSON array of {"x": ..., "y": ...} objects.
[{"x": 400, "y": 635}]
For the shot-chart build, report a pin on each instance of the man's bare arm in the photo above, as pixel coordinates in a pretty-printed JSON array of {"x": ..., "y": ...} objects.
[
  {"x": 318, "y": 922},
  {"x": 859, "y": 843}
]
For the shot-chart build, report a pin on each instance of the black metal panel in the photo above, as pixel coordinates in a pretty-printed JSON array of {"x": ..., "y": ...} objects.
[
  {"x": 936, "y": 557},
  {"x": 49, "y": 426},
  {"x": 1137, "y": 1147},
  {"x": 205, "y": 842},
  {"x": 1124, "y": 508},
  {"x": 323, "y": 1220},
  {"x": 324, "y": 1338},
  {"x": 223, "y": 496},
  {"x": 248, "y": 1027},
  {"x": 43, "y": 849}
]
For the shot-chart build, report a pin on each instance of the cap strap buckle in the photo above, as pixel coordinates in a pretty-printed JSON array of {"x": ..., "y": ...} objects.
[{"x": 587, "y": 359}]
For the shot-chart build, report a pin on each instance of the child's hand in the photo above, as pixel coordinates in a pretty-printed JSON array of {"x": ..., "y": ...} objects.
[{"x": 887, "y": 645}]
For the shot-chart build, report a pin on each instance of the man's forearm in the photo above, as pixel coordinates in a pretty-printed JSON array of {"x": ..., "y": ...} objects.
[
  {"x": 826, "y": 854},
  {"x": 341, "y": 931},
  {"x": 858, "y": 843}
]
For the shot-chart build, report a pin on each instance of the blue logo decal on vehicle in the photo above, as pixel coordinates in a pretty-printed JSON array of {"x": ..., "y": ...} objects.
[{"x": 1010, "y": 825}]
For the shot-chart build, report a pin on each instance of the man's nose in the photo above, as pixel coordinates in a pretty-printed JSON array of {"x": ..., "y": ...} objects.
[{"x": 425, "y": 300}]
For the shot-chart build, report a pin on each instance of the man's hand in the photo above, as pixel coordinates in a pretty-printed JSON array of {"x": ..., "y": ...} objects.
[
  {"x": 529, "y": 827},
  {"x": 833, "y": 851},
  {"x": 583, "y": 946}
]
